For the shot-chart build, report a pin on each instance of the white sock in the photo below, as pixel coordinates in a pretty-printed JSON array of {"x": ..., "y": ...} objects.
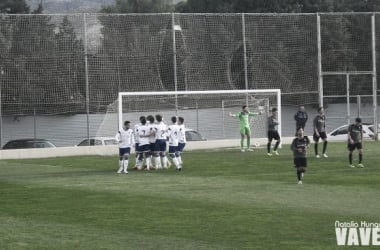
[
  {"x": 167, "y": 161},
  {"x": 176, "y": 163},
  {"x": 180, "y": 159},
  {"x": 148, "y": 161},
  {"x": 120, "y": 167},
  {"x": 125, "y": 165},
  {"x": 158, "y": 162},
  {"x": 164, "y": 160},
  {"x": 153, "y": 161},
  {"x": 137, "y": 161}
]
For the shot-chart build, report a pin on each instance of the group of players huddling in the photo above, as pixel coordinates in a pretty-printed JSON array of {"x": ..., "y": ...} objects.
[{"x": 150, "y": 138}]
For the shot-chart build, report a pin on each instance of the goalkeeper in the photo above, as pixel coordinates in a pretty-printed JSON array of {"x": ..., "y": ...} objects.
[{"x": 245, "y": 129}]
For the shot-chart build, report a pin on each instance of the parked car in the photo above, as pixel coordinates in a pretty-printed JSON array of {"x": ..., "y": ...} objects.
[
  {"x": 340, "y": 133},
  {"x": 28, "y": 143},
  {"x": 98, "y": 141},
  {"x": 193, "y": 135}
]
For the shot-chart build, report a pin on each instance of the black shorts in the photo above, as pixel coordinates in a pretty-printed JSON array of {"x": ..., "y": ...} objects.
[
  {"x": 181, "y": 146},
  {"x": 124, "y": 151},
  {"x": 152, "y": 146},
  {"x": 322, "y": 135},
  {"x": 160, "y": 146},
  {"x": 300, "y": 162},
  {"x": 273, "y": 135},
  {"x": 352, "y": 147},
  {"x": 144, "y": 148}
]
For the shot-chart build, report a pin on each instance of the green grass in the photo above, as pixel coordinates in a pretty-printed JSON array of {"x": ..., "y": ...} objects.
[{"x": 223, "y": 199}]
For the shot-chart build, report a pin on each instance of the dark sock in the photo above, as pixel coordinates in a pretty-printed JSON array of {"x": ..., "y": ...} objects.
[
  {"x": 324, "y": 147},
  {"x": 276, "y": 146},
  {"x": 350, "y": 158},
  {"x": 268, "y": 147},
  {"x": 316, "y": 148},
  {"x": 299, "y": 175},
  {"x": 360, "y": 158}
]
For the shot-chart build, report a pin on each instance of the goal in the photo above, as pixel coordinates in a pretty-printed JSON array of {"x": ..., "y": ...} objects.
[{"x": 206, "y": 112}]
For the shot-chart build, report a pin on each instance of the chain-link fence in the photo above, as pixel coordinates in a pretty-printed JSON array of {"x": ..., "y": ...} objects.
[{"x": 60, "y": 73}]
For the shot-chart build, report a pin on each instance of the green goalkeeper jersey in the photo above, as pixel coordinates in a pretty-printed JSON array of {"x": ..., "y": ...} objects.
[{"x": 244, "y": 118}]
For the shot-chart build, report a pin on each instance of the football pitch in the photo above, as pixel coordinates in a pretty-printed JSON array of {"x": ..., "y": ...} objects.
[{"x": 223, "y": 199}]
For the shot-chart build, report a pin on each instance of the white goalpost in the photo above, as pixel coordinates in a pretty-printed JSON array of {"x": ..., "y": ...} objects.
[{"x": 205, "y": 111}]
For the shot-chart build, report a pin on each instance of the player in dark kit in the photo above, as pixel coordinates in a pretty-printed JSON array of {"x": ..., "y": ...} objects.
[
  {"x": 355, "y": 141},
  {"x": 319, "y": 125},
  {"x": 299, "y": 147},
  {"x": 301, "y": 118},
  {"x": 273, "y": 132}
]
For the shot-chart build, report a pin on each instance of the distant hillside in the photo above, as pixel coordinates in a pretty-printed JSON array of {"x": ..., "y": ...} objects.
[{"x": 70, "y": 6}]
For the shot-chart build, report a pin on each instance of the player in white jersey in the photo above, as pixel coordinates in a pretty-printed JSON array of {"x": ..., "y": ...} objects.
[
  {"x": 125, "y": 138},
  {"x": 138, "y": 154},
  {"x": 152, "y": 139},
  {"x": 160, "y": 146},
  {"x": 173, "y": 142},
  {"x": 144, "y": 132},
  {"x": 181, "y": 139}
]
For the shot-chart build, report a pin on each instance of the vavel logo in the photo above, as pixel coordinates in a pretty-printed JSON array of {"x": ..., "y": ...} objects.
[{"x": 357, "y": 234}]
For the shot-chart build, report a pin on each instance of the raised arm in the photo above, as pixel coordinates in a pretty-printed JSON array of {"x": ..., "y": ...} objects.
[{"x": 232, "y": 115}]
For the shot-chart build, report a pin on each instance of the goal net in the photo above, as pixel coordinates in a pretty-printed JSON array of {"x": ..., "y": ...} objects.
[{"x": 206, "y": 112}]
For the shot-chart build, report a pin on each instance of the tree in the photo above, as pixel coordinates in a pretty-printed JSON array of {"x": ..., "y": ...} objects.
[
  {"x": 131, "y": 47},
  {"x": 7, "y": 26},
  {"x": 208, "y": 6},
  {"x": 69, "y": 68},
  {"x": 32, "y": 47},
  {"x": 40, "y": 8},
  {"x": 139, "y": 6},
  {"x": 14, "y": 7},
  {"x": 43, "y": 62},
  {"x": 276, "y": 6}
]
